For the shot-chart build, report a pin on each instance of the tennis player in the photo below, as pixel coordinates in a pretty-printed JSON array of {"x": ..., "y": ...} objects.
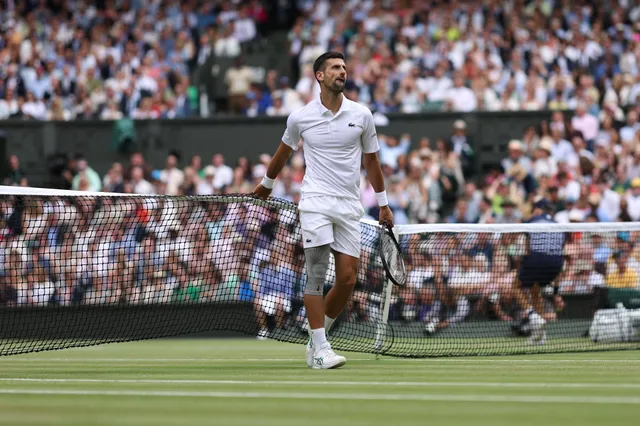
[
  {"x": 335, "y": 132},
  {"x": 539, "y": 268}
]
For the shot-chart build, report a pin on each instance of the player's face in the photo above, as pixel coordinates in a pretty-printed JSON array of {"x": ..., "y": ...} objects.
[{"x": 334, "y": 75}]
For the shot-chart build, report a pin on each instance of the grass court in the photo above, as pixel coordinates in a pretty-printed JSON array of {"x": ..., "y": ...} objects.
[{"x": 249, "y": 382}]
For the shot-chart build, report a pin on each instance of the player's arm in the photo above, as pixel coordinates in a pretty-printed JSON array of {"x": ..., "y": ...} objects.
[
  {"x": 287, "y": 146},
  {"x": 371, "y": 163},
  {"x": 374, "y": 174}
]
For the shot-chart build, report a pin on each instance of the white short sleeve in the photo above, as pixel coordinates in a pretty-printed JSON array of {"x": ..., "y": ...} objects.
[
  {"x": 369, "y": 136},
  {"x": 291, "y": 134}
]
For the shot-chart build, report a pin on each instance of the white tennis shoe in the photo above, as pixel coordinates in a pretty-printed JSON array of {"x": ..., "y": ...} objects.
[
  {"x": 538, "y": 334},
  {"x": 310, "y": 352},
  {"x": 325, "y": 358}
]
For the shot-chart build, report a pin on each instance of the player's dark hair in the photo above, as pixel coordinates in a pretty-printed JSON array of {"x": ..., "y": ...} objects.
[{"x": 319, "y": 64}]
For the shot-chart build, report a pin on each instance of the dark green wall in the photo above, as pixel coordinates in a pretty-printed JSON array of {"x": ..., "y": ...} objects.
[{"x": 234, "y": 137}]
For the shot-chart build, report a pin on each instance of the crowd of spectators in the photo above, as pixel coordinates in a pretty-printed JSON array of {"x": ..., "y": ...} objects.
[
  {"x": 476, "y": 55},
  {"x": 452, "y": 55},
  {"x": 74, "y": 60},
  {"x": 79, "y": 60},
  {"x": 586, "y": 179}
]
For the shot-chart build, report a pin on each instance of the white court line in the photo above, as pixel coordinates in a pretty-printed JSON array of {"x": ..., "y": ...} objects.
[
  {"x": 344, "y": 397},
  {"x": 333, "y": 383},
  {"x": 422, "y": 360}
]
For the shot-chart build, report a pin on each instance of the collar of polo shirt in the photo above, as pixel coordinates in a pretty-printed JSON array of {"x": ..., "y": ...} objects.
[{"x": 323, "y": 110}]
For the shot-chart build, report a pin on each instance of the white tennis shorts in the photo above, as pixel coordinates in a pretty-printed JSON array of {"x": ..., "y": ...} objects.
[{"x": 331, "y": 220}]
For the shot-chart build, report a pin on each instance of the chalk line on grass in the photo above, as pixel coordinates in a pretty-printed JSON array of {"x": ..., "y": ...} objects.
[
  {"x": 533, "y": 399},
  {"x": 333, "y": 383},
  {"x": 371, "y": 359}
]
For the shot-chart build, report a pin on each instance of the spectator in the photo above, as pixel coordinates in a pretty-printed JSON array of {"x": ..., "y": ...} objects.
[
  {"x": 633, "y": 200},
  {"x": 171, "y": 176},
  {"x": 86, "y": 176},
  {"x": 139, "y": 184},
  {"x": 623, "y": 276},
  {"x": 238, "y": 78},
  {"x": 15, "y": 175},
  {"x": 206, "y": 186}
]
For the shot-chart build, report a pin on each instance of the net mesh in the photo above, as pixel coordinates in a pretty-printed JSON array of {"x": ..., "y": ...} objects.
[{"x": 81, "y": 270}]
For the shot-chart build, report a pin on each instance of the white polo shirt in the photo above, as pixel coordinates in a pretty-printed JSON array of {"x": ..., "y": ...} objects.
[{"x": 333, "y": 146}]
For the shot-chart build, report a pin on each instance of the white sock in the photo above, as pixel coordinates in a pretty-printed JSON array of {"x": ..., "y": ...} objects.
[
  {"x": 328, "y": 322},
  {"x": 318, "y": 337}
]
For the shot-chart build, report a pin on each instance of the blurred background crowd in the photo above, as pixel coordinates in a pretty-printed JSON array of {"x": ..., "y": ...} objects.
[
  {"x": 75, "y": 59},
  {"x": 70, "y": 60}
]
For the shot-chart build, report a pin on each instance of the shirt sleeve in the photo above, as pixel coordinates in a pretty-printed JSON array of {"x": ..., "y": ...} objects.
[
  {"x": 369, "y": 136},
  {"x": 291, "y": 134}
]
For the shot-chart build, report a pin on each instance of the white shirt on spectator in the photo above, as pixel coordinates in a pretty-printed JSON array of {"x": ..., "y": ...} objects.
[
  {"x": 227, "y": 47},
  {"x": 224, "y": 176},
  {"x": 609, "y": 205},
  {"x": 144, "y": 187},
  {"x": 35, "y": 109},
  {"x": 205, "y": 188},
  {"x": 633, "y": 203},
  {"x": 174, "y": 179},
  {"x": 570, "y": 191},
  {"x": 562, "y": 150},
  {"x": 628, "y": 133},
  {"x": 291, "y": 100},
  {"x": 545, "y": 167},
  {"x": 435, "y": 88},
  {"x": 587, "y": 124},
  {"x": 462, "y": 98},
  {"x": 147, "y": 83},
  {"x": 245, "y": 30},
  {"x": 239, "y": 80},
  {"x": 419, "y": 275}
]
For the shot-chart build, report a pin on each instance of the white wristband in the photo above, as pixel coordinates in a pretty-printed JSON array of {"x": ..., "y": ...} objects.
[
  {"x": 267, "y": 182},
  {"x": 382, "y": 198}
]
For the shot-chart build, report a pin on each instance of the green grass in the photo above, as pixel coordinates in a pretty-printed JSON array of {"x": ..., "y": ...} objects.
[{"x": 247, "y": 382}]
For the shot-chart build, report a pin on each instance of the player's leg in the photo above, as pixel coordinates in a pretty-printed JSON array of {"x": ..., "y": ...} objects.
[
  {"x": 346, "y": 251},
  {"x": 340, "y": 294},
  {"x": 317, "y": 234}
]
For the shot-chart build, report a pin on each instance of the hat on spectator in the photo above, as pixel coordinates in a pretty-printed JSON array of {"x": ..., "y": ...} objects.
[
  {"x": 545, "y": 144},
  {"x": 635, "y": 183},
  {"x": 210, "y": 171},
  {"x": 515, "y": 144},
  {"x": 575, "y": 216},
  {"x": 459, "y": 125},
  {"x": 542, "y": 203},
  {"x": 624, "y": 236}
]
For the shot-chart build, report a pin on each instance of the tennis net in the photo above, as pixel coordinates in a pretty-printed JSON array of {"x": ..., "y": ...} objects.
[{"x": 82, "y": 269}]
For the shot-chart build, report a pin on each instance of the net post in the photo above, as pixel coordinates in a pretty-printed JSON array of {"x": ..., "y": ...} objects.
[{"x": 385, "y": 304}]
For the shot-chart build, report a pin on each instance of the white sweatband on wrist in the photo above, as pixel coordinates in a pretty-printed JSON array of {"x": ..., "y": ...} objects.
[
  {"x": 382, "y": 198},
  {"x": 267, "y": 182}
]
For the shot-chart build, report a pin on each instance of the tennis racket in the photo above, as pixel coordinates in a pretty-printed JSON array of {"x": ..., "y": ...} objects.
[{"x": 391, "y": 256}]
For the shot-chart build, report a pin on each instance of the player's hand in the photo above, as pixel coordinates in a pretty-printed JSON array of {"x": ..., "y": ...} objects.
[
  {"x": 261, "y": 192},
  {"x": 386, "y": 216},
  {"x": 559, "y": 302}
]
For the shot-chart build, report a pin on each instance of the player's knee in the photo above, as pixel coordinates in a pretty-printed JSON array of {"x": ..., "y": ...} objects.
[
  {"x": 317, "y": 262},
  {"x": 347, "y": 278}
]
